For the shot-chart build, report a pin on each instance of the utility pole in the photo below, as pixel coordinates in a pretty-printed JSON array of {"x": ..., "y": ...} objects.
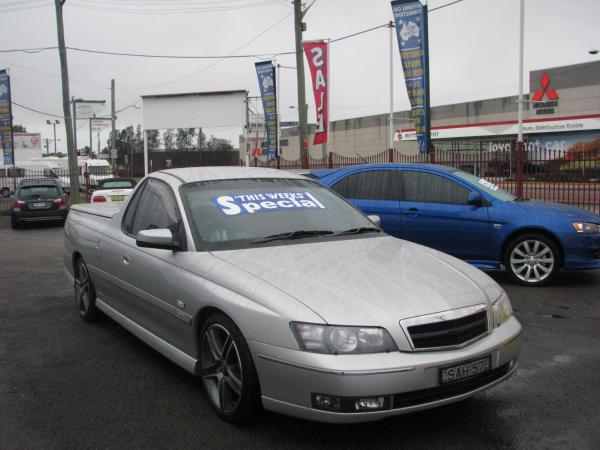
[
  {"x": 302, "y": 119},
  {"x": 391, "y": 117},
  {"x": 519, "y": 174},
  {"x": 113, "y": 133},
  {"x": 71, "y": 151}
]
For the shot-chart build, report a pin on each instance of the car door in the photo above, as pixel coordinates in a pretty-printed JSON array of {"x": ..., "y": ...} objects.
[
  {"x": 374, "y": 191},
  {"x": 435, "y": 213},
  {"x": 153, "y": 278}
]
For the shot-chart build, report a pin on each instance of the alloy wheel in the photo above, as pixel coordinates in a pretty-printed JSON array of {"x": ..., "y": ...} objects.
[
  {"x": 221, "y": 368},
  {"x": 82, "y": 289},
  {"x": 532, "y": 261}
]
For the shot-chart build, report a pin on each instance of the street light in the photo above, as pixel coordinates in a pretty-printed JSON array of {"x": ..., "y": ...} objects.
[
  {"x": 56, "y": 122},
  {"x": 593, "y": 51}
]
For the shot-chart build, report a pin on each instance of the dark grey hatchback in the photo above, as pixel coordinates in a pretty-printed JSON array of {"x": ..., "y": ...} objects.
[{"x": 38, "y": 200}]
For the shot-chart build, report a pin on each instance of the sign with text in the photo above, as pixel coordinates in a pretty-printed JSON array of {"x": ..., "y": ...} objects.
[
  {"x": 6, "y": 134},
  {"x": 100, "y": 124},
  {"x": 409, "y": 18},
  {"x": 317, "y": 53},
  {"x": 266, "y": 81}
]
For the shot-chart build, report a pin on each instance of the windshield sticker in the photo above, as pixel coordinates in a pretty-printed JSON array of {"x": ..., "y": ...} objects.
[
  {"x": 232, "y": 205},
  {"x": 487, "y": 184}
]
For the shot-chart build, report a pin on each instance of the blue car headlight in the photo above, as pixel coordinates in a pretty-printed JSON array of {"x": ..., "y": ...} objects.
[
  {"x": 335, "y": 339},
  {"x": 586, "y": 227}
]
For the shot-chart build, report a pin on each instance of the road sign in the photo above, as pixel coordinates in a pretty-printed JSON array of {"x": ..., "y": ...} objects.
[{"x": 113, "y": 153}]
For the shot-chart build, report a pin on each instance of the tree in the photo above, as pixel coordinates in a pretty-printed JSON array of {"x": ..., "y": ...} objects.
[
  {"x": 201, "y": 140},
  {"x": 218, "y": 145},
  {"x": 153, "y": 137},
  {"x": 169, "y": 139},
  {"x": 19, "y": 129},
  {"x": 184, "y": 138}
]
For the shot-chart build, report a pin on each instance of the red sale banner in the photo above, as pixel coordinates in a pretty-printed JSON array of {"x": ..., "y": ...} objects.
[{"x": 317, "y": 53}]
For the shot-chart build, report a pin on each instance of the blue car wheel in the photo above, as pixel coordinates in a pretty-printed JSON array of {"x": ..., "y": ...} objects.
[{"x": 532, "y": 259}]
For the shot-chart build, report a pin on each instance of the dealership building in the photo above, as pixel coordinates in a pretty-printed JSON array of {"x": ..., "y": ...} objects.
[{"x": 562, "y": 109}]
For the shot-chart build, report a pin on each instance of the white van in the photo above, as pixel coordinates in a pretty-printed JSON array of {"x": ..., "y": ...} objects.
[{"x": 10, "y": 176}]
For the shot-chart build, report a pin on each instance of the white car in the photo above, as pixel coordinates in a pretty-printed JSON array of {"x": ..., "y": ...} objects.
[{"x": 113, "y": 190}]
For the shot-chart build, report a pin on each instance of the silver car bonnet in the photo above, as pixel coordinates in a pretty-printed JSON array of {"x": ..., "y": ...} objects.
[{"x": 367, "y": 281}]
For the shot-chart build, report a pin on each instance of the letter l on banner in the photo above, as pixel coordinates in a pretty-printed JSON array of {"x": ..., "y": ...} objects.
[{"x": 317, "y": 53}]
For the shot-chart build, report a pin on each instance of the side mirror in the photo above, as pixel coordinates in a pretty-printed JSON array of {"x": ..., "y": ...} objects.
[
  {"x": 475, "y": 199},
  {"x": 161, "y": 238},
  {"x": 375, "y": 219}
]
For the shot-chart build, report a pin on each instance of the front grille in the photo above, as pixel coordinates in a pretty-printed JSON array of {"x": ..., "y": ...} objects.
[
  {"x": 449, "y": 390},
  {"x": 448, "y": 333}
]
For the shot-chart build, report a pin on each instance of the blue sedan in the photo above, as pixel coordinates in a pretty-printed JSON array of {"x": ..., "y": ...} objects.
[{"x": 471, "y": 218}]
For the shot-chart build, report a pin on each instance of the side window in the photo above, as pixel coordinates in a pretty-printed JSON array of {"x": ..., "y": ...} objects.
[
  {"x": 156, "y": 208},
  {"x": 371, "y": 185},
  {"x": 432, "y": 188},
  {"x": 127, "y": 224}
]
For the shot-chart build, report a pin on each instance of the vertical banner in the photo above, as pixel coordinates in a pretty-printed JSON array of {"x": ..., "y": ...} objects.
[
  {"x": 410, "y": 19},
  {"x": 6, "y": 136},
  {"x": 266, "y": 82},
  {"x": 317, "y": 54}
]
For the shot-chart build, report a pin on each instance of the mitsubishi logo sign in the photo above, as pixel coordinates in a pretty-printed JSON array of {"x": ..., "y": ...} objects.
[
  {"x": 540, "y": 106},
  {"x": 550, "y": 93}
]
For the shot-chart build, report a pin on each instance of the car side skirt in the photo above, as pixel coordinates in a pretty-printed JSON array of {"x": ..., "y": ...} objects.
[{"x": 180, "y": 358}]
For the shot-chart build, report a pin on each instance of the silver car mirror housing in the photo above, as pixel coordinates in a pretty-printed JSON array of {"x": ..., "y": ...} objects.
[
  {"x": 375, "y": 219},
  {"x": 161, "y": 238}
]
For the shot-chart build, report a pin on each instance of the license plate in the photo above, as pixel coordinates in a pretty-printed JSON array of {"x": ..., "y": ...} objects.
[
  {"x": 117, "y": 198},
  {"x": 465, "y": 370},
  {"x": 39, "y": 205}
]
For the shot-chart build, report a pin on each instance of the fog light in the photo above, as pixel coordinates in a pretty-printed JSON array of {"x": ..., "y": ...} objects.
[
  {"x": 326, "y": 402},
  {"x": 369, "y": 404}
]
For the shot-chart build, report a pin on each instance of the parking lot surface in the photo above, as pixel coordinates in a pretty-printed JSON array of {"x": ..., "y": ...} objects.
[{"x": 68, "y": 384}]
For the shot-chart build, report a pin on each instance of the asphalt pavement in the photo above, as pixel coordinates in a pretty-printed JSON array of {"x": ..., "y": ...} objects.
[{"x": 68, "y": 384}]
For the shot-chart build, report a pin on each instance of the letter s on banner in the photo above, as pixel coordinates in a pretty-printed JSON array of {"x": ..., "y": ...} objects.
[{"x": 317, "y": 53}]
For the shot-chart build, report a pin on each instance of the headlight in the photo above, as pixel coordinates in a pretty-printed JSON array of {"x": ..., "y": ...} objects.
[
  {"x": 335, "y": 340},
  {"x": 502, "y": 310},
  {"x": 586, "y": 227}
]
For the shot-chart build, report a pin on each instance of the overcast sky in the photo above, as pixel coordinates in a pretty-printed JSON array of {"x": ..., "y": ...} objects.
[{"x": 473, "y": 50}]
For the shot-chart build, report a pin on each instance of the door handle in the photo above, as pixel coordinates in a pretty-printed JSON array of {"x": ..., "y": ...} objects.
[
  {"x": 125, "y": 259},
  {"x": 411, "y": 212}
]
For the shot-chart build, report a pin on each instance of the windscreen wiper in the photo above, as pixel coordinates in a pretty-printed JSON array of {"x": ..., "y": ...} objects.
[
  {"x": 292, "y": 235},
  {"x": 358, "y": 231}
]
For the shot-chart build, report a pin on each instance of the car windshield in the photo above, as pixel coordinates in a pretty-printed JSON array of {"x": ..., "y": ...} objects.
[
  {"x": 485, "y": 185},
  {"x": 117, "y": 184},
  {"x": 99, "y": 170},
  {"x": 241, "y": 213},
  {"x": 38, "y": 191}
]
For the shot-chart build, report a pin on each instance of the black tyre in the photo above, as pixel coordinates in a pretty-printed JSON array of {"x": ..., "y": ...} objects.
[
  {"x": 85, "y": 294},
  {"x": 227, "y": 370},
  {"x": 532, "y": 259},
  {"x": 14, "y": 223}
]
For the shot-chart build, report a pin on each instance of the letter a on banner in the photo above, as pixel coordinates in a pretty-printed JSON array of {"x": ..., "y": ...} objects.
[{"x": 317, "y": 53}]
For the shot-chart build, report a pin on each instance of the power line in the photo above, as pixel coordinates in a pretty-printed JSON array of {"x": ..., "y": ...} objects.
[
  {"x": 95, "y": 6},
  {"x": 228, "y": 56},
  {"x": 443, "y": 6},
  {"x": 69, "y": 118},
  {"x": 216, "y": 62}
]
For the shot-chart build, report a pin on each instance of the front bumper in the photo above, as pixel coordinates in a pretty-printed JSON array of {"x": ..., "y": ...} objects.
[
  {"x": 409, "y": 381},
  {"x": 582, "y": 251}
]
